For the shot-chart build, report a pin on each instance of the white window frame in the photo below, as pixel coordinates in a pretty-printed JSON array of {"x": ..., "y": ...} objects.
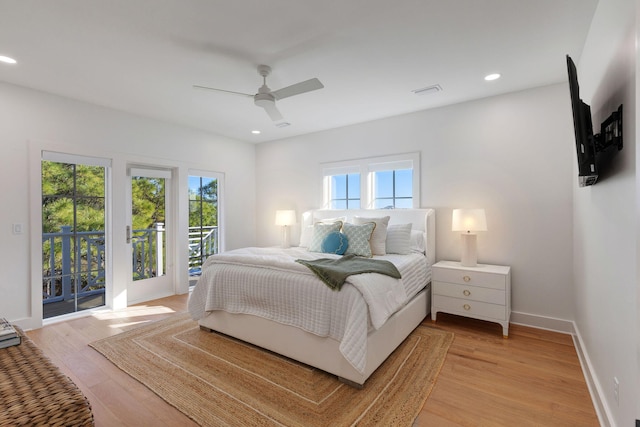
[{"x": 367, "y": 167}]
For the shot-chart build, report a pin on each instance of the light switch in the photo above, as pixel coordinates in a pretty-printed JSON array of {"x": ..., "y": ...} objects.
[{"x": 17, "y": 228}]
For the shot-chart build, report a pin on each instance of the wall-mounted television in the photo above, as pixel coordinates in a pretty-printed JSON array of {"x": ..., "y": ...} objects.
[{"x": 591, "y": 148}]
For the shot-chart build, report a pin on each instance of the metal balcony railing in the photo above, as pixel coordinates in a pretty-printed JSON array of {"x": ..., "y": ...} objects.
[{"x": 73, "y": 260}]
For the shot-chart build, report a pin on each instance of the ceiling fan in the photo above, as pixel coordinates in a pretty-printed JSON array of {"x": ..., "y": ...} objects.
[{"x": 266, "y": 98}]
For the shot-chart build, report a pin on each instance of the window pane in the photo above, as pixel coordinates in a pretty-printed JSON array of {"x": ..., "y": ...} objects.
[
  {"x": 354, "y": 204},
  {"x": 339, "y": 187},
  {"x": 385, "y": 203},
  {"x": 383, "y": 184},
  {"x": 354, "y": 185},
  {"x": 194, "y": 187},
  {"x": 203, "y": 222},
  {"x": 338, "y": 204},
  {"x": 404, "y": 203},
  {"x": 404, "y": 183}
]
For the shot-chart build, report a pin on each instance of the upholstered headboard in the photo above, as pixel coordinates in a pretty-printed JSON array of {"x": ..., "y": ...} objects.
[{"x": 421, "y": 219}]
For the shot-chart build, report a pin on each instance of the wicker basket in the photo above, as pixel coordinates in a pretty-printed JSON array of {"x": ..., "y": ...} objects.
[{"x": 34, "y": 392}]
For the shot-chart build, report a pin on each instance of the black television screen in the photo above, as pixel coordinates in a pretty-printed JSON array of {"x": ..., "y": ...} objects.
[{"x": 585, "y": 141}]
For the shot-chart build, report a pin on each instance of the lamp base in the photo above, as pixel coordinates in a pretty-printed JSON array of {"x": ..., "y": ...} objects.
[
  {"x": 469, "y": 250},
  {"x": 285, "y": 237}
]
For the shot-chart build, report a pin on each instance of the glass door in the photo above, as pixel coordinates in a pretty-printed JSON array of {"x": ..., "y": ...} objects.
[
  {"x": 73, "y": 233},
  {"x": 148, "y": 233}
]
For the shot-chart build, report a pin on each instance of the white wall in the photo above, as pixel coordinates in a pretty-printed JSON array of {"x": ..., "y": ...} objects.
[
  {"x": 512, "y": 155},
  {"x": 606, "y": 217},
  {"x": 31, "y": 120}
]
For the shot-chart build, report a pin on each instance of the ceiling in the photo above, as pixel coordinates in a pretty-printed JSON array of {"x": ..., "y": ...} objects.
[{"x": 144, "y": 56}]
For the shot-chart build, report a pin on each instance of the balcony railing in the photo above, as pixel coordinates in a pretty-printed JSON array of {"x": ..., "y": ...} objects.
[
  {"x": 203, "y": 241},
  {"x": 77, "y": 259}
]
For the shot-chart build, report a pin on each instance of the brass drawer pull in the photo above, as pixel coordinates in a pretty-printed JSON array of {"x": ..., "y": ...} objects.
[
  {"x": 466, "y": 292},
  {"x": 466, "y": 307},
  {"x": 466, "y": 278}
]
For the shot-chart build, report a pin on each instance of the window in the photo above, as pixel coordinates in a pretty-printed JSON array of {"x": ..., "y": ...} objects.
[
  {"x": 391, "y": 182},
  {"x": 345, "y": 191}
]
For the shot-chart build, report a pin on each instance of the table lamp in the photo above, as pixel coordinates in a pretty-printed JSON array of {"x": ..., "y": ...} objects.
[
  {"x": 285, "y": 218},
  {"x": 468, "y": 221}
]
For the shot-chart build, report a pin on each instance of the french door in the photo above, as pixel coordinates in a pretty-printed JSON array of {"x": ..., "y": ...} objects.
[
  {"x": 74, "y": 241},
  {"x": 150, "y": 234}
]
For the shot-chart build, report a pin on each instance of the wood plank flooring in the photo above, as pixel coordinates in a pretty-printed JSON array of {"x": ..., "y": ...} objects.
[{"x": 533, "y": 378}]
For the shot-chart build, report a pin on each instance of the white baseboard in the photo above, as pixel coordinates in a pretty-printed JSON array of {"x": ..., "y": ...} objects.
[
  {"x": 543, "y": 322},
  {"x": 595, "y": 388}
]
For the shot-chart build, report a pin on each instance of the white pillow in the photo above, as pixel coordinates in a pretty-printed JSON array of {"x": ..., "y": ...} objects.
[
  {"x": 398, "y": 239},
  {"x": 379, "y": 237},
  {"x": 418, "y": 241},
  {"x": 306, "y": 234}
]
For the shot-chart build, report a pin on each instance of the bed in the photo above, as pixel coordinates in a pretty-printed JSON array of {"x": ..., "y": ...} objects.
[{"x": 264, "y": 297}]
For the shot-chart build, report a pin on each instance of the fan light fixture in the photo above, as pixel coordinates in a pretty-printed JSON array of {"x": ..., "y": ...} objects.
[{"x": 266, "y": 98}]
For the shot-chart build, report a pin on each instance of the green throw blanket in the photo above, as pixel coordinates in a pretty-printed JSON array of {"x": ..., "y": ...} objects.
[{"x": 334, "y": 272}]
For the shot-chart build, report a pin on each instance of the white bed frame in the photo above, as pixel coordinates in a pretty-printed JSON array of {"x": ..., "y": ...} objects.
[{"x": 324, "y": 352}]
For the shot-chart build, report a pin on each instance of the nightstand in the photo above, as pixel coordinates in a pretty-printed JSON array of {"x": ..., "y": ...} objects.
[{"x": 482, "y": 292}]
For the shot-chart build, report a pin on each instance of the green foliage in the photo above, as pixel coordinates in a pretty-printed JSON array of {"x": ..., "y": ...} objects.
[
  {"x": 148, "y": 200},
  {"x": 61, "y": 182},
  {"x": 203, "y": 204}
]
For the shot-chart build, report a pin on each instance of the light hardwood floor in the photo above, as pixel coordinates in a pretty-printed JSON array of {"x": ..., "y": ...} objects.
[{"x": 533, "y": 378}]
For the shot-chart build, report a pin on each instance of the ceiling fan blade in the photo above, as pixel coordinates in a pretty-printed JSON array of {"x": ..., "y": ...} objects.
[
  {"x": 272, "y": 111},
  {"x": 222, "y": 90},
  {"x": 298, "y": 88}
]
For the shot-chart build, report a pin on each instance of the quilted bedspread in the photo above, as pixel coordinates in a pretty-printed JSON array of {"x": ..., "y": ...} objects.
[{"x": 267, "y": 282}]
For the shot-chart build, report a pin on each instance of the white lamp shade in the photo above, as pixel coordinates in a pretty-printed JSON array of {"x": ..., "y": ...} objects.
[
  {"x": 468, "y": 220},
  {"x": 285, "y": 217}
]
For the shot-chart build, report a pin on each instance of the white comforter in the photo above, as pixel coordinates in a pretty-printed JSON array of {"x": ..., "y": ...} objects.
[{"x": 267, "y": 282}]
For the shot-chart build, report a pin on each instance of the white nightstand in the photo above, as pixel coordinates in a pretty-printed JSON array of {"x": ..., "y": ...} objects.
[{"x": 482, "y": 292}]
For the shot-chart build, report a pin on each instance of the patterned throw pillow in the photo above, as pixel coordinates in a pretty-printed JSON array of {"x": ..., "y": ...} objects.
[
  {"x": 358, "y": 237},
  {"x": 379, "y": 236},
  {"x": 320, "y": 231},
  {"x": 335, "y": 243}
]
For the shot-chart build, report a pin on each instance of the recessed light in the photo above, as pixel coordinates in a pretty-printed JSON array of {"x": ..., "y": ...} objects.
[
  {"x": 255, "y": 132},
  {"x": 494, "y": 76},
  {"x": 7, "y": 60},
  {"x": 283, "y": 124}
]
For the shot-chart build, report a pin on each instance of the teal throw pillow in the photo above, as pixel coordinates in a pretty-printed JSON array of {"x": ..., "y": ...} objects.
[
  {"x": 320, "y": 231},
  {"x": 335, "y": 243}
]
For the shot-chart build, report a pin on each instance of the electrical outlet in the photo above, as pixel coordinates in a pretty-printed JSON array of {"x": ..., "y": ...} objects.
[{"x": 616, "y": 390}]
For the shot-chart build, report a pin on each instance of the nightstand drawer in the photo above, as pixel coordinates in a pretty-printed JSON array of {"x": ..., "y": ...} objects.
[
  {"x": 471, "y": 278},
  {"x": 469, "y": 308},
  {"x": 471, "y": 293}
]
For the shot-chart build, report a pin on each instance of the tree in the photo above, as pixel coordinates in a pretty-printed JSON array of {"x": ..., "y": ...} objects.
[{"x": 203, "y": 204}]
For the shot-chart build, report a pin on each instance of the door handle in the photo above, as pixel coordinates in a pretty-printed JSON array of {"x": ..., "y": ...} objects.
[{"x": 128, "y": 233}]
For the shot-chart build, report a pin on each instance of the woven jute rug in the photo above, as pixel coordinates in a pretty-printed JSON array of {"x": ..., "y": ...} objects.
[{"x": 220, "y": 381}]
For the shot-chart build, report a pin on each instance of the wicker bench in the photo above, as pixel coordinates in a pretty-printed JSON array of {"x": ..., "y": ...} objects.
[{"x": 34, "y": 392}]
